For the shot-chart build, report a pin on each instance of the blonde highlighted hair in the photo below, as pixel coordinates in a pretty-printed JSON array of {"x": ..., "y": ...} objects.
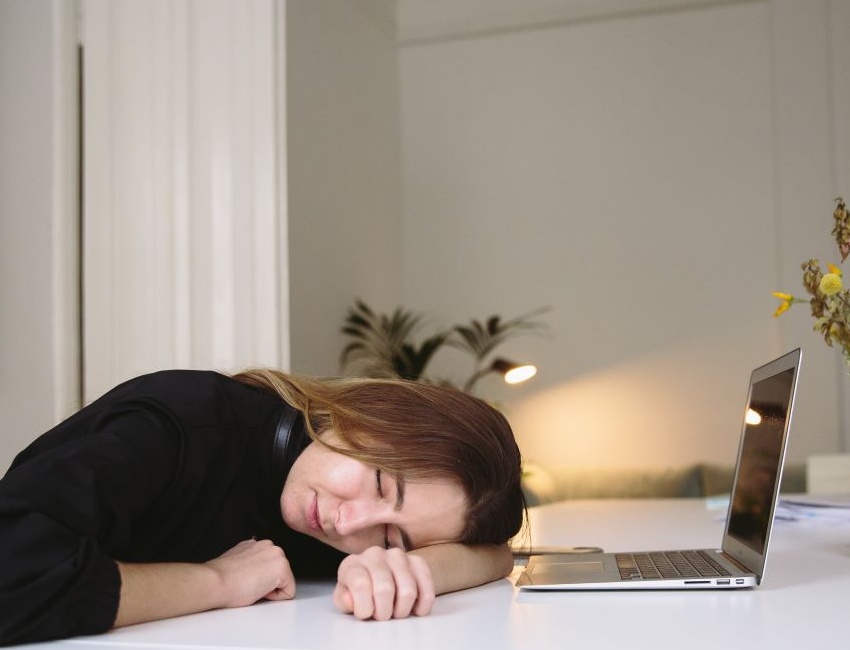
[{"x": 416, "y": 431}]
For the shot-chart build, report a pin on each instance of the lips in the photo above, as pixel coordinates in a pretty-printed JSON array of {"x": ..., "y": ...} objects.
[{"x": 313, "y": 515}]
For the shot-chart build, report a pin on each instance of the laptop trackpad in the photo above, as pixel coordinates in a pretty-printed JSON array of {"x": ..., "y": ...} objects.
[
  {"x": 556, "y": 569},
  {"x": 566, "y": 571}
]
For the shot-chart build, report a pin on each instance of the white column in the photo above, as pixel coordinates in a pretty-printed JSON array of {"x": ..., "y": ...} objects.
[
  {"x": 183, "y": 261},
  {"x": 39, "y": 317}
]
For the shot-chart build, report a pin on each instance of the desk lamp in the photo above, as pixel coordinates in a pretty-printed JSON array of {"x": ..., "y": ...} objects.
[{"x": 512, "y": 373}]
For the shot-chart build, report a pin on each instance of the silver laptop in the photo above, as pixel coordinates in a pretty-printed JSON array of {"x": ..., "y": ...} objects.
[{"x": 741, "y": 558}]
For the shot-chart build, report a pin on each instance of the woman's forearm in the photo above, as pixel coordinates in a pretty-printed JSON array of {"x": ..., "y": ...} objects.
[
  {"x": 254, "y": 570},
  {"x": 459, "y": 566},
  {"x": 151, "y": 592},
  {"x": 250, "y": 571}
]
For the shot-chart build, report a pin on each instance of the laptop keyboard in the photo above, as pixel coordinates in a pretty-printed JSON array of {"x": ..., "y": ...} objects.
[{"x": 668, "y": 564}]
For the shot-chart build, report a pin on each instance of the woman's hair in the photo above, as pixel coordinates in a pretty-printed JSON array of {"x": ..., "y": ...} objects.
[{"x": 416, "y": 431}]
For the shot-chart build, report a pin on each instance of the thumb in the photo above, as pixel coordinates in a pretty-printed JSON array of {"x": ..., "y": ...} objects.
[
  {"x": 284, "y": 591},
  {"x": 343, "y": 600}
]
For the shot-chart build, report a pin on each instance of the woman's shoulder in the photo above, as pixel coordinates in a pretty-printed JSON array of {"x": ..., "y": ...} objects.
[
  {"x": 188, "y": 401},
  {"x": 173, "y": 377},
  {"x": 202, "y": 393},
  {"x": 170, "y": 385}
]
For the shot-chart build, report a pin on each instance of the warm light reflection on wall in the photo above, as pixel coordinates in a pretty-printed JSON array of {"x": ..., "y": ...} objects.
[{"x": 649, "y": 412}]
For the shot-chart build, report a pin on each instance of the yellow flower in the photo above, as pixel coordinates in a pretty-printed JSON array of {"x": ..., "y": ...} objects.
[
  {"x": 786, "y": 299},
  {"x": 828, "y": 299},
  {"x": 830, "y": 284}
]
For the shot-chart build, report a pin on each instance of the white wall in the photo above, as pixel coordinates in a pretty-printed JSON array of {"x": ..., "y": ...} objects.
[
  {"x": 651, "y": 176},
  {"x": 38, "y": 273},
  {"x": 658, "y": 175},
  {"x": 343, "y": 168}
]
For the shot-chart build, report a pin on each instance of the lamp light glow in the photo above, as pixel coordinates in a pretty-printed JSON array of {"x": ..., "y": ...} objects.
[
  {"x": 512, "y": 373},
  {"x": 520, "y": 374}
]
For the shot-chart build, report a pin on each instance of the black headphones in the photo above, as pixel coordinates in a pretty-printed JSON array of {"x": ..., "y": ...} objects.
[{"x": 290, "y": 439}]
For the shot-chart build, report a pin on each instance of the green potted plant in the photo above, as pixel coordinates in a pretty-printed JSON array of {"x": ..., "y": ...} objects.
[{"x": 385, "y": 344}]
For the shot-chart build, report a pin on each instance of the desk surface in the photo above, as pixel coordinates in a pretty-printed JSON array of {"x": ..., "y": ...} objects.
[{"x": 803, "y": 598}]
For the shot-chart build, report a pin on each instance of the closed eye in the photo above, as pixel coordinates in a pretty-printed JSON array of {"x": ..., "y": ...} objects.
[{"x": 380, "y": 489}]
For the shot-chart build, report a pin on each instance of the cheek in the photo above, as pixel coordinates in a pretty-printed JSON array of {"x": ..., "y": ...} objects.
[
  {"x": 436, "y": 513},
  {"x": 456, "y": 512},
  {"x": 345, "y": 476},
  {"x": 454, "y": 524}
]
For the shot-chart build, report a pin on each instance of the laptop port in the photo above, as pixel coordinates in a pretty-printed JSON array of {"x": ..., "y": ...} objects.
[
  {"x": 739, "y": 581},
  {"x": 723, "y": 581}
]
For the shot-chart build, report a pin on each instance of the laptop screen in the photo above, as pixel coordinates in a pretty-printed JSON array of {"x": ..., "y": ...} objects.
[{"x": 760, "y": 460}]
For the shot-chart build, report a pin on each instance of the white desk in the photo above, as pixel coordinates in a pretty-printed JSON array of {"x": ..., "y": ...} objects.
[{"x": 804, "y": 601}]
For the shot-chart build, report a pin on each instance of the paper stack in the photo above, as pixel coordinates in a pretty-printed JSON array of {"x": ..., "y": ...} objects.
[{"x": 819, "y": 508}]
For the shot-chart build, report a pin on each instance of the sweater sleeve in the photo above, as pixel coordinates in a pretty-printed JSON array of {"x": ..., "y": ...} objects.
[{"x": 65, "y": 512}]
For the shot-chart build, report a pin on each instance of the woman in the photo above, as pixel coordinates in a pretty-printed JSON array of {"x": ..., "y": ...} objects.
[{"x": 183, "y": 491}]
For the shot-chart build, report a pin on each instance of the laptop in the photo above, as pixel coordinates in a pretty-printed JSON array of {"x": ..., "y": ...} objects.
[{"x": 740, "y": 560}]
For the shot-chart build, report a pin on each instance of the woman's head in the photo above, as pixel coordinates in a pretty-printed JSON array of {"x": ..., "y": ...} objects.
[{"x": 416, "y": 433}]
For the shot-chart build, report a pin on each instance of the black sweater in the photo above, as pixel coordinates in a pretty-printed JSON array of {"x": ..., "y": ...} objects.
[{"x": 172, "y": 466}]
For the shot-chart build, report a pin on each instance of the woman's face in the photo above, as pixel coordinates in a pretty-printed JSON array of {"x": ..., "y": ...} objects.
[{"x": 351, "y": 506}]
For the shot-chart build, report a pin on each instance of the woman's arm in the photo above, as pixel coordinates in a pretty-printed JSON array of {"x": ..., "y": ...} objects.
[
  {"x": 459, "y": 566},
  {"x": 390, "y": 583},
  {"x": 250, "y": 571},
  {"x": 70, "y": 495}
]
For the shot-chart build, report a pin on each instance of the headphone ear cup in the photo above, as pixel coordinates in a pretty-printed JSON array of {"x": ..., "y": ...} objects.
[{"x": 289, "y": 441}]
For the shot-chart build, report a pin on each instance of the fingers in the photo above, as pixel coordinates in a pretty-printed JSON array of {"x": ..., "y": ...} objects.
[
  {"x": 284, "y": 592},
  {"x": 383, "y": 584},
  {"x": 342, "y": 599},
  {"x": 426, "y": 592},
  {"x": 253, "y": 570}
]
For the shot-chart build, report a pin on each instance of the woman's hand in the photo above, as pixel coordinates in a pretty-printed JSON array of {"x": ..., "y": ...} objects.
[
  {"x": 253, "y": 570},
  {"x": 384, "y": 583},
  {"x": 248, "y": 572}
]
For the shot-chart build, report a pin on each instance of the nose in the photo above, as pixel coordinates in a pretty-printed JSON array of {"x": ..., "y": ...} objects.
[{"x": 360, "y": 517}]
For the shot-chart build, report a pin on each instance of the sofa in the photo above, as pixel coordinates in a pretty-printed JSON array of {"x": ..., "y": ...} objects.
[{"x": 547, "y": 484}]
